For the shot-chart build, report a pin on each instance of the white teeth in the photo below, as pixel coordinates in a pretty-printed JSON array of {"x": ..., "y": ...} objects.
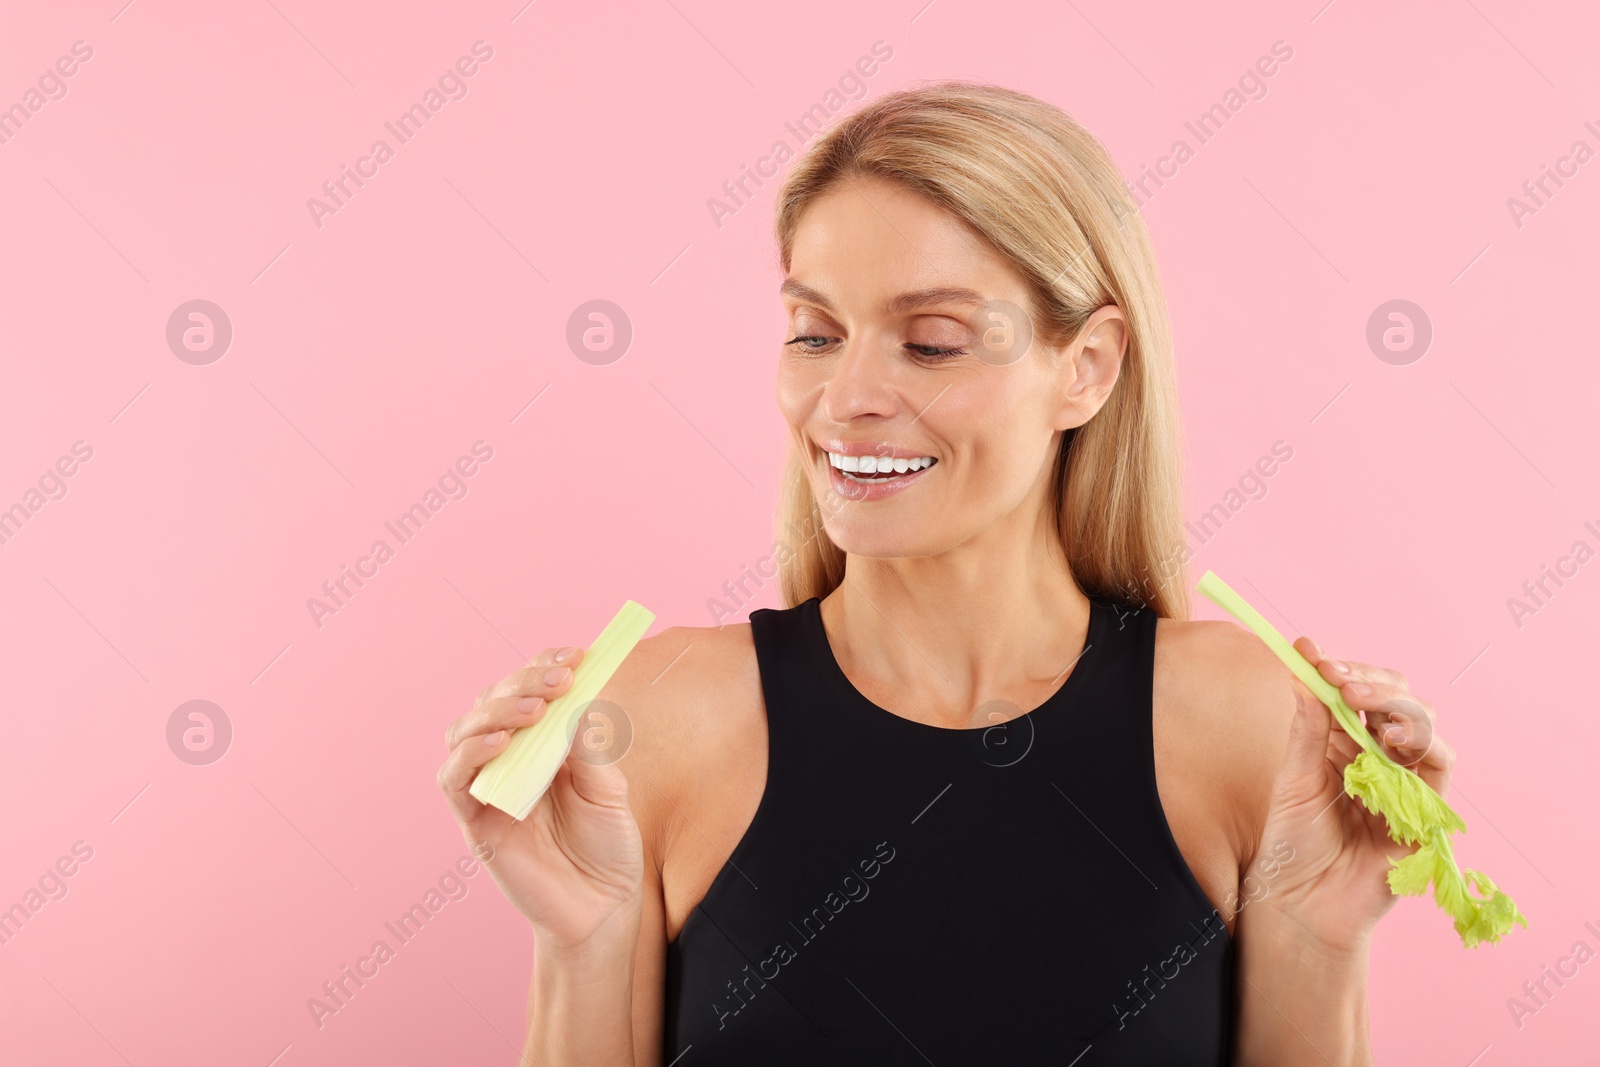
[{"x": 878, "y": 464}]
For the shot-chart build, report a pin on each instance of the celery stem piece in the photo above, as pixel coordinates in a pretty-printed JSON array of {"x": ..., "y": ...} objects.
[
  {"x": 515, "y": 779},
  {"x": 1413, "y": 812}
]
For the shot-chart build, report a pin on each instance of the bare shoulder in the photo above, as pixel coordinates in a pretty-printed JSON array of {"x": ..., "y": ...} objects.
[
  {"x": 689, "y": 697},
  {"x": 678, "y": 688},
  {"x": 1231, "y": 703},
  {"x": 1220, "y": 657}
]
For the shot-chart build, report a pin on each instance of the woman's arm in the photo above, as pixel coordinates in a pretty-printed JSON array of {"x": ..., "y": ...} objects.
[
  {"x": 584, "y": 867},
  {"x": 1303, "y": 944},
  {"x": 1298, "y": 1001},
  {"x": 580, "y": 1004},
  {"x": 603, "y": 1003}
]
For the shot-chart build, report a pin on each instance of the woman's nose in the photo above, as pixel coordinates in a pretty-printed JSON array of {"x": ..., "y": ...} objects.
[{"x": 858, "y": 383}]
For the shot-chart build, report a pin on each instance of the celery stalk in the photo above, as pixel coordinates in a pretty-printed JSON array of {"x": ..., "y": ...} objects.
[
  {"x": 1414, "y": 812},
  {"x": 515, "y": 779}
]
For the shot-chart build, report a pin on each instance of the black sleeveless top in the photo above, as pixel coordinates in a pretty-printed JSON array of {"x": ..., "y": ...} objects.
[{"x": 910, "y": 894}]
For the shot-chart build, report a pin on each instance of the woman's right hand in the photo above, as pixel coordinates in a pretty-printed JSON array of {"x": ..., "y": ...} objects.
[{"x": 575, "y": 865}]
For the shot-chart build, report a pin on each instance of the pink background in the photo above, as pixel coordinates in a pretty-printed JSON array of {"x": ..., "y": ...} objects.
[{"x": 425, "y": 315}]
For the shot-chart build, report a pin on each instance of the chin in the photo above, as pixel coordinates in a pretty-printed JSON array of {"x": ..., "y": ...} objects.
[{"x": 879, "y": 539}]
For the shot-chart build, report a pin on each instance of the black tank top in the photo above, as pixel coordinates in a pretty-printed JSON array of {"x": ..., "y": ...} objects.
[{"x": 911, "y": 894}]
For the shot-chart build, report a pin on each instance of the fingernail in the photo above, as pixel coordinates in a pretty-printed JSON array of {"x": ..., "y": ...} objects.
[
  {"x": 1360, "y": 689},
  {"x": 529, "y": 705},
  {"x": 556, "y": 675},
  {"x": 565, "y": 654},
  {"x": 1394, "y": 735},
  {"x": 1338, "y": 667},
  {"x": 495, "y": 738}
]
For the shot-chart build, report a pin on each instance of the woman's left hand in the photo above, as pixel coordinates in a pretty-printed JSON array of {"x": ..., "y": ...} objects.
[{"x": 1335, "y": 885}]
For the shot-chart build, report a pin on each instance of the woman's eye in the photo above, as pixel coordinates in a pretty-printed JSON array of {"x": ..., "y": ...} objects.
[
  {"x": 925, "y": 353},
  {"x": 933, "y": 353},
  {"x": 803, "y": 342}
]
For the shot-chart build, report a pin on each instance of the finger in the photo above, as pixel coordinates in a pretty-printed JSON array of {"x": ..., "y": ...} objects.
[
  {"x": 1417, "y": 745},
  {"x": 1380, "y": 698},
  {"x": 508, "y": 713},
  {"x": 1338, "y": 747},
  {"x": 1342, "y": 748},
  {"x": 1340, "y": 672},
  {"x": 457, "y": 772},
  {"x": 1406, "y": 726},
  {"x": 600, "y": 783},
  {"x": 1437, "y": 764},
  {"x": 1413, "y": 740},
  {"x": 1309, "y": 649},
  {"x": 547, "y": 682},
  {"x": 556, "y": 656},
  {"x": 1308, "y": 736},
  {"x": 1387, "y": 707}
]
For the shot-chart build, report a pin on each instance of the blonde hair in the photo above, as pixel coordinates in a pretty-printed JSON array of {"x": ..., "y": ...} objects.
[{"x": 1046, "y": 194}]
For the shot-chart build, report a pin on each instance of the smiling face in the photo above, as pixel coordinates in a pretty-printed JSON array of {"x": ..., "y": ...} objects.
[{"x": 922, "y": 414}]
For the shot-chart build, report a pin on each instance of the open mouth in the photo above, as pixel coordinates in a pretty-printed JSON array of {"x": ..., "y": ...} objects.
[{"x": 877, "y": 469}]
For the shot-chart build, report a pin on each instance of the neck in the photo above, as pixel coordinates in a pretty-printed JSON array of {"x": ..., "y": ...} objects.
[{"x": 933, "y": 638}]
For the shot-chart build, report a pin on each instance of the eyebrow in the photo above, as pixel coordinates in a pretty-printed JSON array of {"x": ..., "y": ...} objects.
[{"x": 912, "y": 301}]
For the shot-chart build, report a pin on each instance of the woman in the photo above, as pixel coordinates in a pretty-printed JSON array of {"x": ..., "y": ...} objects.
[{"x": 980, "y": 794}]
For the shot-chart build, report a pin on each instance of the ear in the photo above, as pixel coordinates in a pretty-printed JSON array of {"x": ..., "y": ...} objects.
[{"x": 1090, "y": 365}]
